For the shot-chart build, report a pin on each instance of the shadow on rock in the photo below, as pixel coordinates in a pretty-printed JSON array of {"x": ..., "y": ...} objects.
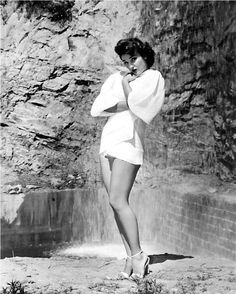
[{"x": 159, "y": 258}]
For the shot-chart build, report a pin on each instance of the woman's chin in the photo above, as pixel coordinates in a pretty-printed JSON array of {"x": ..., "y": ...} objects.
[{"x": 138, "y": 74}]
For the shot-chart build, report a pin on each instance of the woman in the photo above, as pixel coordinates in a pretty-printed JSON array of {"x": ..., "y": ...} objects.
[{"x": 130, "y": 99}]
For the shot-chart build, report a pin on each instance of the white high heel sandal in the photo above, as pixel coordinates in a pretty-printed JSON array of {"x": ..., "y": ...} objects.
[
  {"x": 145, "y": 269},
  {"x": 124, "y": 275}
]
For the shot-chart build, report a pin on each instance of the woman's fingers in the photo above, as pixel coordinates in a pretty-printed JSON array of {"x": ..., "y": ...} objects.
[
  {"x": 124, "y": 73},
  {"x": 130, "y": 77}
]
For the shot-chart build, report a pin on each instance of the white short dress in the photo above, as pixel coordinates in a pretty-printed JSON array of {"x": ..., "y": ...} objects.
[{"x": 123, "y": 134}]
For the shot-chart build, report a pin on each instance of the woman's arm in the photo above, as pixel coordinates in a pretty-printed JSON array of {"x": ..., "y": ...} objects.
[
  {"x": 125, "y": 84},
  {"x": 147, "y": 96},
  {"x": 120, "y": 106},
  {"x": 123, "y": 105}
]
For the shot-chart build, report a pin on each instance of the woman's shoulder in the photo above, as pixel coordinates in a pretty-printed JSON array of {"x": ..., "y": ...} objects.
[
  {"x": 110, "y": 79},
  {"x": 114, "y": 76},
  {"x": 152, "y": 72}
]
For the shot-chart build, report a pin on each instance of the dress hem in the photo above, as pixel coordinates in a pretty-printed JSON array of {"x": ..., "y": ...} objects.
[{"x": 106, "y": 154}]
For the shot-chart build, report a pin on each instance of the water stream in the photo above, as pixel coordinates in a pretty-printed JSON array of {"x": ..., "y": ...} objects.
[{"x": 33, "y": 224}]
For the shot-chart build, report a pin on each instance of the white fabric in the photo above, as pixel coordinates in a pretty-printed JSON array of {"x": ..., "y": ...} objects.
[
  {"x": 126, "y": 151},
  {"x": 147, "y": 96},
  {"x": 145, "y": 101}
]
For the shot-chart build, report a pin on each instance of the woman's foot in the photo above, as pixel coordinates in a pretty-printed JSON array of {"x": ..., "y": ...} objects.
[
  {"x": 140, "y": 262},
  {"x": 127, "y": 269}
]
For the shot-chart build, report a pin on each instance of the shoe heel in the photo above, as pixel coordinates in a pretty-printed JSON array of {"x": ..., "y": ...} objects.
[
  {"x": 147, "y": 271},
  {"x": 138, "y": 276}
]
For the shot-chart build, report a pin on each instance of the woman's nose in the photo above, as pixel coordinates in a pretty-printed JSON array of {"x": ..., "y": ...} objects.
[{"x": 131, "y": 66}]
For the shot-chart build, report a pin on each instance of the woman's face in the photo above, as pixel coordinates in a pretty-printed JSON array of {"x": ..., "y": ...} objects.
[{"x": 135, "y": 63}]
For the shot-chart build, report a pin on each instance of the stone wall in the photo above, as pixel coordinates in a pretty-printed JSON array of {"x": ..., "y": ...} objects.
[
  {"x": 55, "y": 57},
  {"x": 185, "y": 218}
]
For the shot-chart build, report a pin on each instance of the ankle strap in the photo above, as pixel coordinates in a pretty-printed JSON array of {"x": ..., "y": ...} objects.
[{"x": 140, "y": 252}]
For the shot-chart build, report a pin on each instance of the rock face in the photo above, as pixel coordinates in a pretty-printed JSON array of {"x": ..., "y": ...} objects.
[
  {"x": 195, "y": 45},
  {"x": 55, "y": 57}
]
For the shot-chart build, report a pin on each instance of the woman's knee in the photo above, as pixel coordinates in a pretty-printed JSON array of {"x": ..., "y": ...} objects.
[{"x": 116, "y": 201}]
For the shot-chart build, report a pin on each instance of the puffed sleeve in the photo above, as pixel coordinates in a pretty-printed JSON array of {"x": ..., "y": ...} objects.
[
  {"x": 147, "y": 95},
  {"x": 106, "y": 99}
]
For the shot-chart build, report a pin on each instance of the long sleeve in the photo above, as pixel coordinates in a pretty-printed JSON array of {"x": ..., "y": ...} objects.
[
  {"x": 107, "y": 98},
  {"x": 147, "y": 96}
]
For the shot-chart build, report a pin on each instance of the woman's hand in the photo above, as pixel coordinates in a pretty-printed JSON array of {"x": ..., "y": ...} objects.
[
  {"x": 129, "y": 77},
  {"x": 125, "y": 84}
]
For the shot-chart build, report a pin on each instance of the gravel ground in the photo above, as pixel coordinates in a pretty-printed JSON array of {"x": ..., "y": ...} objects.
[{"x": 77, "y": 271}]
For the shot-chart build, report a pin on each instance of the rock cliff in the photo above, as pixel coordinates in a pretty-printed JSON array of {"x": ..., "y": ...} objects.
[
  {"x": 195, "y": 45},
  {"x": 56, "y": 54}
]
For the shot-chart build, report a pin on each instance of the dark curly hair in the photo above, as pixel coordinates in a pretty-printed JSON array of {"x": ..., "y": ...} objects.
[{"x": 132, "y": 45}]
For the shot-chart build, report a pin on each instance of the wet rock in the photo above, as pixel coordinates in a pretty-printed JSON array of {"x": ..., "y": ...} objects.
[
  {"x": 198, "y": 100},
  {"x": 195, "y": 64},
  {"x": 31, "y": 187},
  {"x": 58, "y": 84},
  {"x": 56, "y": 182},
  {"x": 15, "y": 189}
]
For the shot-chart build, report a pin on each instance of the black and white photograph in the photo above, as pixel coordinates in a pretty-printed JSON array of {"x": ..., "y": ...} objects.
[{"x": 118, "y": 147}]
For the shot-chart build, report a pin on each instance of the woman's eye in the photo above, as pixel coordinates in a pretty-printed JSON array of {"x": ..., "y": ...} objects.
[{"x": 133, "y": 59}]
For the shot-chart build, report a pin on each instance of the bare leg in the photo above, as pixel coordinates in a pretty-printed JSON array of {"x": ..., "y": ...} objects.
[
  {"x": 122, "y": 178},
  {"x": 106, "y": 168}
]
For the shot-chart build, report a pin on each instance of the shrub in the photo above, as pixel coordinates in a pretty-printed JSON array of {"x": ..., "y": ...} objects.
[
  {"x": 14, "y": 287},
  {"x": 58, "y": 9},
  {"x": 150, "y": 286}
]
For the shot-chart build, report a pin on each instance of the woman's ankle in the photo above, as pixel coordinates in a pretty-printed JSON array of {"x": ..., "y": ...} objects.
[{"x": 137, "y": 254}]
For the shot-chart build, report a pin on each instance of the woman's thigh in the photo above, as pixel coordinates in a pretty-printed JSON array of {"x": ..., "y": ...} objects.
[
  {"x": 122, "y": 178},
  {"x": 106, "y": 168}
]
